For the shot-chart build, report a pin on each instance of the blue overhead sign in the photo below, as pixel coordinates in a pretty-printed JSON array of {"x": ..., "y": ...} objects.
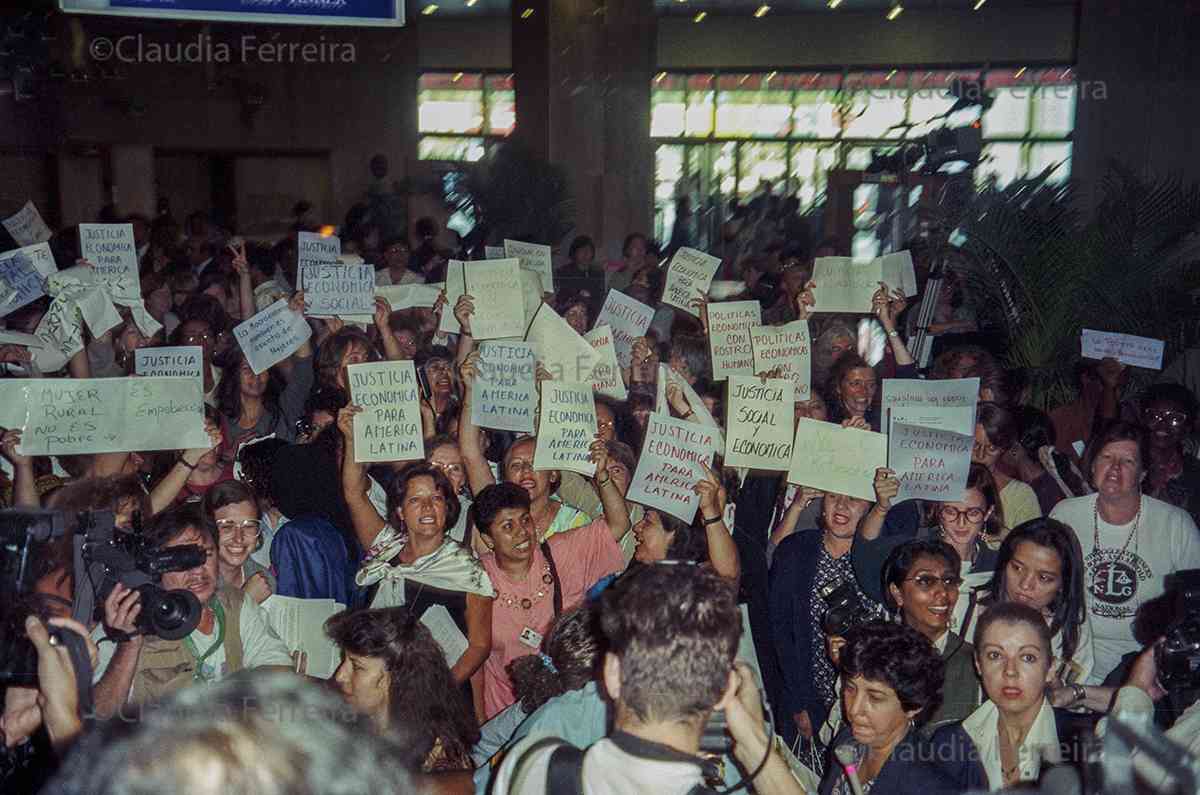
[{"x": 289, "y": 12}]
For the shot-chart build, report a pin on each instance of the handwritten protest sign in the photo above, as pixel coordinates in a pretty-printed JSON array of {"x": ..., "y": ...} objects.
[
  {"x": 67, "y": 416},
  {"x": 628, "y": 318},
  {"x": 455, "y": 287},
  {"x": 409, "y": 296},
  {"x": 930, "y": 464},
  {"x": 947, "y": 405},
  {"x": 898, "y": 273},
  {"x": 336, "y": 290},
  {"x": 20, "y": 338},
  {"x": 27, "y": 226},
  {"x": 729, "y": 337},
  {"x": 504, "y": 394},
  {"x": 758, "y": 426},
  {"x": 113, "y": 254},
  {"x": 183, "y": 360},
  {"x": 534, "y": 256},
  {"x": 495, "y": 286},
  {"x": 23, "y": 274},
  {"x": 670, "y": 465},
  {"x": 836, "y": 459},
  {"x": 389, "y": 426},
  {"x": 493, "y": 252},
  {"x": 565, "y": 355},
  {"x": 1125, "y": 348},
  {"x": 567, "y": 428},
  {"x": 606, "y": 377},
  {"x": 697, "y": 405},
  {"x": 787, "y": 347},
  {"x": 316, "y": 249},
  {"x": 271, "y": 336},
  {"x": 688, "y": 278},
  {"x": 843, "y": 285}
]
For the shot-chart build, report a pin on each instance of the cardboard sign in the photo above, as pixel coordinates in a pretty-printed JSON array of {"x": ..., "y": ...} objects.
[
  {"x": 495, "y": 287},
  {"x": 758, "y": 423},
  {"x": 1125, "y": 348},
  {"x": 23, "y": 274},
  {"x": 787, "y": 347},
  {"x": 947, "y": 405},
  {"x": 836, "y": 459},
  {"x": 108, "y": 415},
  {"x": 606, "y": 377},
  {"x": 389, "y": 426},
  {"x": 898, "y": 272},
  {"x": 670, "y": 465},
  {"x": 729, "y": 337},
  {"x": 566, "y": 355},
  {"x": 27, "y": 226},
  {"x": 843, "y": 285},
  {"x": 113, "y": 254},
  {"x": 271, "y": 336},
  {"x": 628, "y": 318},
  {"x": 185, "y": 361},
  {"x": 534, "y": 256},
  {"x": 336, "y": 290},
  {"x": 930, "y": 464},
  {"x": 455, "y": 287},
  {"x": 315, "y": 249},
  {"x": 409, "y": 296},
  {"x": 567, "y": 428},
  {"x": 504, "y": 395},
  {"x": 688, "y": 278}
]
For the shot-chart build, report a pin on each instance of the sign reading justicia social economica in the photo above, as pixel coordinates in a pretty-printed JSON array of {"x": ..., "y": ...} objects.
[
  {"x": 285, "y": 12},
  {"x": 389, "y": 427}
]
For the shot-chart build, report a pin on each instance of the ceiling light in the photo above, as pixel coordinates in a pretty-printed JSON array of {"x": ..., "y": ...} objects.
[
  {"x": 771, "y": 76},
  {"x": 471, "y": 3},
  {"x": 895, "y": 11},
  {"x": 429, "y": 9},
  {"x": 1020, "y": 72},
  {"x": 661, "y": 76},
  {"x": 891, "y": 74},
  {"x": 527, "y": 13},
  {"x": 700, "y": 17},
  {"x": 833, "y": 4},
  {"x": 458, "y": 76},
  {"x": 761, "y": 11},
  {"x": 979, "y": 4}
]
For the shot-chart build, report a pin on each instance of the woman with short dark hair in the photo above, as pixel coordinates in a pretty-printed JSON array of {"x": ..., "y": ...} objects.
[{"x": 996, "y": 432}]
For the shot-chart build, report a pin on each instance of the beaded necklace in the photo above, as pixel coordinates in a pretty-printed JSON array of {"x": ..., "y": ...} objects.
[{"x": 526, "y": 603}]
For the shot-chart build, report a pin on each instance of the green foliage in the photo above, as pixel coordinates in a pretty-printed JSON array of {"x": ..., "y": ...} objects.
[
  {"x": 1042, "y": 272},
  {"x": 518, "y": 195}
]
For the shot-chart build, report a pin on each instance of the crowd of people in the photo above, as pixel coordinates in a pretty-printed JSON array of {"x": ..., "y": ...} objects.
[{"x": 503, "y": 627}]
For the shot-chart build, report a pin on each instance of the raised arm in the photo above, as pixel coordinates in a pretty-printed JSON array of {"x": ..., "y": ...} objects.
[
  {"x": 616, "y": 512},
  {"x": 463, "y": 309},
  {"x": 886, "y": 489},
  {"x": 722, "y": 553},
  {"x": 167, "y": 489},
  {"x": 479, "y": 474},
  {"x": 887, "y": 307},
  {"x": 366, "y": 520},
  {"x": 24, "y": 480},
  {"x": 245, "y": 283},
  {"x": 387, "y": 337}
]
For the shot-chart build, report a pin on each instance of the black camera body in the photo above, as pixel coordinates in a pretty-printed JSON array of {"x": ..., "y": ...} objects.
[
  {"x": 106, "y": 556},
  {"x": 846, "y": 608},
  {"x": 1178, "y": 656}
]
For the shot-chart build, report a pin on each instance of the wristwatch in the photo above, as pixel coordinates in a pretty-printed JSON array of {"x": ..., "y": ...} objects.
[{"x": 714, "y": 520}]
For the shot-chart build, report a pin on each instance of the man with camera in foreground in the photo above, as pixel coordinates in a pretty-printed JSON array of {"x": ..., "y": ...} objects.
[
  {"x": 232, "y": 632},
  {"x": 673, "y": 632}
]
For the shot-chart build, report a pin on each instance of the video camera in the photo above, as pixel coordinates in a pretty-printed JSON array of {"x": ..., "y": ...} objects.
[
  {"x": 1178, "y": 656},
  {"x": 846, "y": 609}
]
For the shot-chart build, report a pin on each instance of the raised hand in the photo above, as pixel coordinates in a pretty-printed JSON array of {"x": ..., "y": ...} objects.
[
  {"x": 468, "y": 371},
  {"x": 887, "y": 486},
  {"x": 804, "y": 300},
  {"x": 464, "y": 307},
  {"x": 9, "y": 441},
  {"x": 345, "y": 420},
  {"x": 383, "y": 313},
  {"x": 240, "y": 263},
  {"x": 712, "y": 494}
]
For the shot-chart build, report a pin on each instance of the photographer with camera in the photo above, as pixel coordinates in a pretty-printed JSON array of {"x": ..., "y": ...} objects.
[{"x": 232, "y": 632}]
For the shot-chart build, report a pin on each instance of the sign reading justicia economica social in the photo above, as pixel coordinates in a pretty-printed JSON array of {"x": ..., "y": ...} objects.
[{"x": 289, "y": 12}]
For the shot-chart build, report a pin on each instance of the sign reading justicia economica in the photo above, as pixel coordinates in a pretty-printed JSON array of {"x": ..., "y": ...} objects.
[{"x": 291, "y": 12}]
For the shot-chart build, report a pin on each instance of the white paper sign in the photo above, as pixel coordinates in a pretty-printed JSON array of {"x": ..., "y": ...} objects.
[
  {"x": 843, "y": 285},
  {"x": 628, "y": 318},
  {"x": 565, "y": 355},
  {"x": 389, "y": 426},
  {"x": 947, "y": 405},
  {"x": 495, "y": 287},
  {"x": 835, "y": 459},
  {"x": 670, "y": 465},
  {"x": 930, "y": 464},
  {"x": 409, "y": 296},
  {"x": 504, "y": 394},
  {"x": 20, "y": 338},
  {"x": 534, "y": 256},
  {"x": 113, "y": 254},
  {"x": 108, "y": 415},
  {"x": 315, "y": 249},
  {"x": 1125, "y": 348},
  {"x": 455, "y": 287},
  {"x": 493, "y": 252},
  {"x": 23, "y": 274},
  {"x": 898, "y": 272},
  {"x": 702, "y": 415},
  {"x": 335, "y": 290},
  {"x": 184, "y": 360},
  {"x": 567, "y": 428},
  {"x": 606, "y": 377},
  {"x": 446, "y": 634},
  {"x": 688, "y": 278},
  {"x": 787, "y": 347},
  {"x": 300, "y": 624},
  {"x": 271, "y": 336},
  {"x": 724, "y": 290},
  {"x": 729, "y": 337},
  {"x": 27, "y": 226},
  {"x": 758, "y": 424}
]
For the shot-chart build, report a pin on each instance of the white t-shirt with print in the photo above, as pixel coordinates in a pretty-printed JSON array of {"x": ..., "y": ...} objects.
[{"x": 1127, "y": 568}]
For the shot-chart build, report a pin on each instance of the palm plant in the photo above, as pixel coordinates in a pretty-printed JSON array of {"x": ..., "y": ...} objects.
[
  {"x": 516, "y": 194},
  {"x": 1043, "y": 272}
]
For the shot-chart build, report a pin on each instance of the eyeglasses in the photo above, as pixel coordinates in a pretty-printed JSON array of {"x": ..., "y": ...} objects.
[
  {"x": 246, "y": 528},
  {"x": 198, "y": 339},
  {"x": 1172, "y": 418},
  {"x": 927, "y": 582},
  {"x": 604, "y": 426},
  {"x": 950, "y": 514}
]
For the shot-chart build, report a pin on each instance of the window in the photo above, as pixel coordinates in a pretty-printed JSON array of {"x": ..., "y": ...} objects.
[
  {"x": 460, "y": 114},
  {"x": 719, "y": 135}
]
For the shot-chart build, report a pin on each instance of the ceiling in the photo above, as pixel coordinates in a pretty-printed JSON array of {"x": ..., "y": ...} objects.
[{"x": 459, "y": 8}]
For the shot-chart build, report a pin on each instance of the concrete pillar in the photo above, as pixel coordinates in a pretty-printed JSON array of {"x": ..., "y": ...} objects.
[{"x": 133, "y": 179}]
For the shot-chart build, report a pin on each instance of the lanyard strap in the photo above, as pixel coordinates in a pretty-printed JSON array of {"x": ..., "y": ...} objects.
[{"x": 219, "y": 612}]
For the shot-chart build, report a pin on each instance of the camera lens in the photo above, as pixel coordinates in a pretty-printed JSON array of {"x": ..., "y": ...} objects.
[{"x": 170, "y": 615}]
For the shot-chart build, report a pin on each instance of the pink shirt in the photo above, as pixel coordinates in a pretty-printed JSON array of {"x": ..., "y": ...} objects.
[{"x": 582, "y": 557}]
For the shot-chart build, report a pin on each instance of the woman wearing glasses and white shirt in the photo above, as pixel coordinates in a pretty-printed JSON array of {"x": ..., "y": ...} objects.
[{"x": 233, "y": 510}]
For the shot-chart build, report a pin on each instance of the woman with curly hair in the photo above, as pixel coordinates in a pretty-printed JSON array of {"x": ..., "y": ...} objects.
[{"x": 396, "y": 674}]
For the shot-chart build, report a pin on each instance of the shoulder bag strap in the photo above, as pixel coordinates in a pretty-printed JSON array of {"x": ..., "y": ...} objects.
[
  {"x": 565, "y": 773},
  {"x": 558, "y": 601}
]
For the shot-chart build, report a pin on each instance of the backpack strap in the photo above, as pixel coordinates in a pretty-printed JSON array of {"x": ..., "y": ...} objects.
[{"x": 558, "y": 599}]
